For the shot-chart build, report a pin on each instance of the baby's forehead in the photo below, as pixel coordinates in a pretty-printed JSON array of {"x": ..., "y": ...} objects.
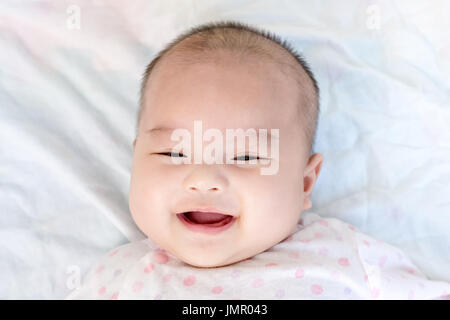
[
  {"x": 258, "y": 70},
  {"x": 209, "y": 86},
  {"x": 229, "y": 87}
]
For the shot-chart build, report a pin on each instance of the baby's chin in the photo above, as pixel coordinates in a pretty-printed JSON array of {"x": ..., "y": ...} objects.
[
  {"x": 206, "y": 259},
  {"x": 208, "y": 263}
]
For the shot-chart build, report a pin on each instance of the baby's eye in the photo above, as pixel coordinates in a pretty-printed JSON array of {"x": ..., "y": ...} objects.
[
  {"x": 172, "y": 154},
  {"x": 246, "y": 158}
]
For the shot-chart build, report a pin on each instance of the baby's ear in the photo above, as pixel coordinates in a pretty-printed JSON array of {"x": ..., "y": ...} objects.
[
  {"x": 311, "y": 173},
  {"x": 307, "y": 204}
]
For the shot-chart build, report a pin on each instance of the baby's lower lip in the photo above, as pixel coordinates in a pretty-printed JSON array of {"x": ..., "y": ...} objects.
[{"x": 211, "y": 229}]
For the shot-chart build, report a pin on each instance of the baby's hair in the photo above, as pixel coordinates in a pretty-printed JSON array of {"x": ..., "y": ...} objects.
[{"x": 194, "y": 45}]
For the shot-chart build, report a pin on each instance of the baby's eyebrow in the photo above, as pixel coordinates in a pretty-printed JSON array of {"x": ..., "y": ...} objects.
[{"x": 159, "y": 130}]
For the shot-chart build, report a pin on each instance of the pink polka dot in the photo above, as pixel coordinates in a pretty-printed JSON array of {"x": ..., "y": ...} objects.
[
  {"x": 167, "y": 277},
  {"x": 137, "y": 286},
  {"x": 115, "y": 296},
  {"x": 318, "y": 235},
  {"x": 189, "y": 281},
  {"x": 410, "y": 270},
  {"x": 316, "y": 289},
  {"x": 343, "y": 262},
  {"x": 351, "y": 227},
  {"x": 294, "y": 255},
  {"x": 117, "y": 272},
  {"x": 299, "y": 273},
  {"x": 367, "y": 243},
  {"x": 324, "y": 223},
  {"x": 149, "y": 268},
  {"x": 271, "y": 264},
  {"x": 257, "y": 283},
  {"x": 216, "y": 290},
  {"x": 100, "y": 269},
  {"x": 382, "y": 261},
  {"x": 113, "y": 253},
  {"x": 305, "y": 241},
  {"x": 375, "y": 292},
  {"x": 160, "y": 257},
  {"x": 101, "y": 291}
]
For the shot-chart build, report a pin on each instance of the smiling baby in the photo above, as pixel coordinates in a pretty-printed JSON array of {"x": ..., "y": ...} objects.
[
  {"x": 227, "y": 78},
  {"x": 220, "y": 104}
]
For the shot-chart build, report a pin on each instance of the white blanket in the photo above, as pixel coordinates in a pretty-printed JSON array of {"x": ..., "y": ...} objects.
[
  {"x": 69, "y": 81},
  {"x": 322, "y": 259}
]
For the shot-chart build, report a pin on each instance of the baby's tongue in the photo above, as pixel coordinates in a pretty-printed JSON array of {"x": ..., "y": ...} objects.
[{"x": 205, "y": 217}]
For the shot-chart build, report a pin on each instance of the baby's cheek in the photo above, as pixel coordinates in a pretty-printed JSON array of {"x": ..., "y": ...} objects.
[
  {"x": 263, "y": 232},
  {"x": 275, "y": 202}
]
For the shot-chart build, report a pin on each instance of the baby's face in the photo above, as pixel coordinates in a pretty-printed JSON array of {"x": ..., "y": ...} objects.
[{"x": 265, "y": 208}]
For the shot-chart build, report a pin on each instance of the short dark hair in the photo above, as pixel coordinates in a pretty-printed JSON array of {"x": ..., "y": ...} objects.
[{"x": 241, "y": 38}]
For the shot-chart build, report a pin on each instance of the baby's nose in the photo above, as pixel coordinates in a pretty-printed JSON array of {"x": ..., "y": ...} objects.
[
  {"x": 205, "y": 180},
  {"x": 202, "y": 187}
]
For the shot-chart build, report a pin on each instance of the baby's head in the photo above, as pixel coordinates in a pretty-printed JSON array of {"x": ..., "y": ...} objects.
[{"x": 226, "y": 76}]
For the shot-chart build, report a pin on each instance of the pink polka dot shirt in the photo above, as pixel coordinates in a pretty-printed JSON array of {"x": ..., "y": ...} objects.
[{"x": 325, "y": 258}]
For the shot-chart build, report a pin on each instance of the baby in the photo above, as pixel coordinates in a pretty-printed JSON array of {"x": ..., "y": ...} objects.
[{"x": 218, "y": 225}]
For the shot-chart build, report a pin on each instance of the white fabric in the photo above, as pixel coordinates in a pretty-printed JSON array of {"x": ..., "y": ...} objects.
[
  {"x": 68, "y": 102},
  {"x": 322, "y": 259}
]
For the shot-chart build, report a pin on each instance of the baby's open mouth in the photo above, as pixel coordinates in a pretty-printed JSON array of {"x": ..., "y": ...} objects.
[{"x": 209, "y": 219}]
